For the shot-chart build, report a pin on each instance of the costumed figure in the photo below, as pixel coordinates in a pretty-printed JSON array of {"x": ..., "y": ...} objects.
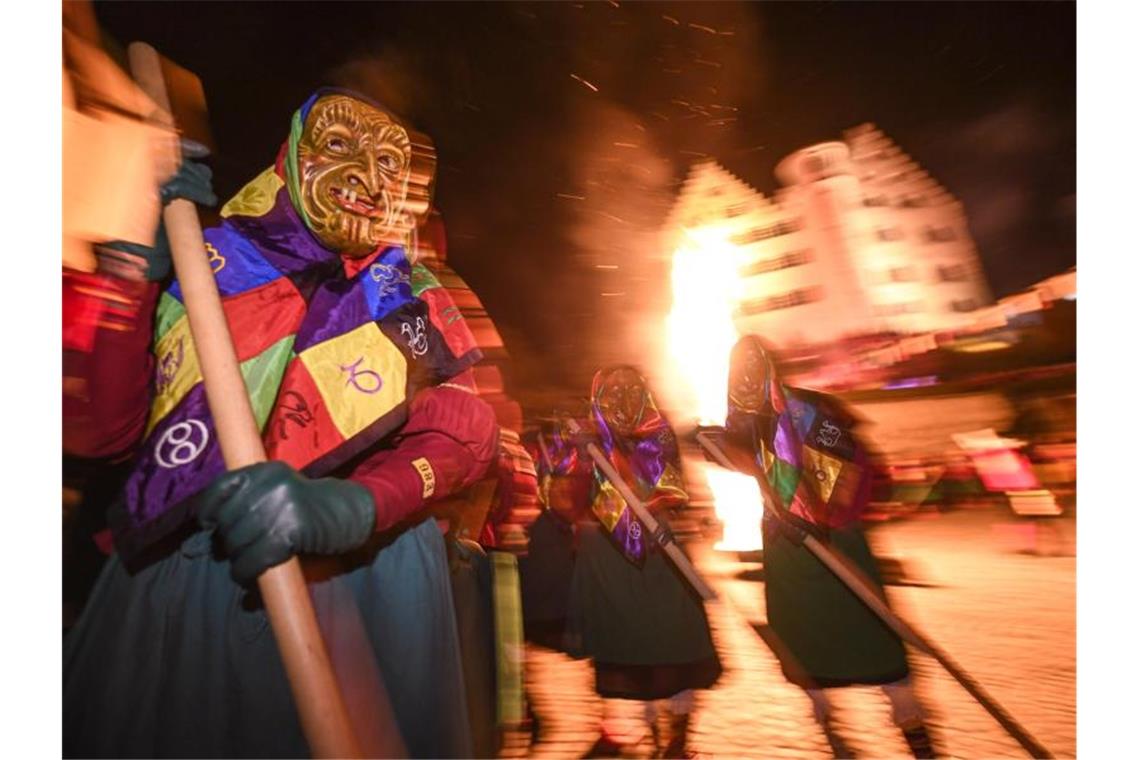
[
  {"x": 802, "y": 443},
  {"x": 348, "y": 360},
  {"x": 629, "y": 609}
]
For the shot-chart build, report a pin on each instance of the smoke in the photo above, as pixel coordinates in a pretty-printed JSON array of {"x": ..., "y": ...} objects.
[{"x": 554, "y": 212}]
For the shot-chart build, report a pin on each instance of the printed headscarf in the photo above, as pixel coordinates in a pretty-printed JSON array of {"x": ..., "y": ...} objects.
[
  {"x": 647, "y": 458},
  {"x": 331, "y": 351},
  {"x": 802, "y": 440}
]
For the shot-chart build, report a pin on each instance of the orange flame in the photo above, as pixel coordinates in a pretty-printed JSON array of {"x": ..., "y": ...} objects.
[{"x": 701, "y": 333}]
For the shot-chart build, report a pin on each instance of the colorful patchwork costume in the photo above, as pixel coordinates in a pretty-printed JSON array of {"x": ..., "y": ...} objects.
[
  {"x": 629, "y": 610},
  {"x": 351, "y": 355},
  {"x": 801, "y": 442}
]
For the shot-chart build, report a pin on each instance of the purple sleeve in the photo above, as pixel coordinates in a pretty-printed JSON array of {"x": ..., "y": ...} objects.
[{"x": 447, "y": 444}]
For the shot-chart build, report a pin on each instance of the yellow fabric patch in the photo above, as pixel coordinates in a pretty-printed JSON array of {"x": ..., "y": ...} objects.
[
  {"x": 360, "y": 375},
  {"x": 767, "y": 456},
  {"x": 427, "y": 475},
  {"x": 821, "y": 471},
  {"x": 256, "y": 198},
  {"x": 608, "y": 505},
  {"x": 671, "y": 481},
  {"x": 177, "y": 370}
]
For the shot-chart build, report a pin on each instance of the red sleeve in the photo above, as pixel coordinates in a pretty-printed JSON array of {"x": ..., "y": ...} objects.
[
  {"x": 447, "y": 444},
  {"x": 107, "y": 363}
]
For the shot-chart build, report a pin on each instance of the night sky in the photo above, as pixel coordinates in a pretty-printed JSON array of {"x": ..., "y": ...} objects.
[{"x": 542, "y": 178}]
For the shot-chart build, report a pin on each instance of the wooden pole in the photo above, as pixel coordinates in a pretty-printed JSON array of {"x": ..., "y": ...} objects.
[
  {"x": 679, "y": 558},
  {"x": 324, "y": 718},
  {"x": 863, "y": 588}
]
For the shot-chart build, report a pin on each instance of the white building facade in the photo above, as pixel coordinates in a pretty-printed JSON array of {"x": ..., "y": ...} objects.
[{"x": 858, "y": 241}]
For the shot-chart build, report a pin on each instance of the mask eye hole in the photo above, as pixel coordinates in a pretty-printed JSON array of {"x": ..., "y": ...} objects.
[
  {"x": 389, "y": 163},
  {"x": 337, "y": 146}
]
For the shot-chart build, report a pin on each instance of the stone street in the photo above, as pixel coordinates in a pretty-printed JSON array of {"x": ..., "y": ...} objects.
[{"x": 1007, "y": 618}]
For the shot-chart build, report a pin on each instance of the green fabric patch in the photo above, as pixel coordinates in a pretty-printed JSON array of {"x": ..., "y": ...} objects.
[
  {"x": 170, "y": 310},
  {"x": 422, "y": 279},
  {"x": 262, "y": 375},
  {"x": 785, "y": 477},
  {"x": 509, "y": 645}
]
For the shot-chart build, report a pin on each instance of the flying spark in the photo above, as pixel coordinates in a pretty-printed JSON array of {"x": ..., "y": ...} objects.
[{"x": 583, "y": 81}]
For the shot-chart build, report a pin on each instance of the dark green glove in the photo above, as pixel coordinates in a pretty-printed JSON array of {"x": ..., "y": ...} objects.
[
  {"x": 192, "y": 181},
  {"x": 267, "y": 512}
]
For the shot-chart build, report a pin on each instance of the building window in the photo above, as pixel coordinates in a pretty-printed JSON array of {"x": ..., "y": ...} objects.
[
  {"x": 783, "y": 301},
  {"x": 898, "y": 309},
  {"x": 790, "y": 259},
  {"x": 875, "y": 200},
  {"x": 964, "y": 304},
  {"x": 938, "y": 234},
  {"x": 889, "y": 233},
  {"x": 913, "y": 201},
  {"x": 735, "y": 210},
  {"x": 756, "y": 234},
  {"x": 953, "y": 273},
  {"x": 903, "y": 274}
]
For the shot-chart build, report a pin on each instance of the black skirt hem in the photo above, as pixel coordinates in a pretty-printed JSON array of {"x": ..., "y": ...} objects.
[{"x": 645, "y": 682}]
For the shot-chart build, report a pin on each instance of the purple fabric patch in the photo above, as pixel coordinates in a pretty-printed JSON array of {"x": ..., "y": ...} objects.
[
  {"x": 177, "y": 460},
  {"x": 786, "y": 442},
  {"x": 629, "y": 534}
]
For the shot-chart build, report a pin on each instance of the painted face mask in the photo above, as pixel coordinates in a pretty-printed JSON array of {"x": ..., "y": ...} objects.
[
  {"x": 354, "y": 165},
  {"x": 621, "y": 400}
]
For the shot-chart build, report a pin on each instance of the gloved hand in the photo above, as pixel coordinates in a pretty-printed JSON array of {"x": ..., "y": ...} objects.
[
  {"x": 267, "y": 512},
  {"x": 192, "y": 181}
]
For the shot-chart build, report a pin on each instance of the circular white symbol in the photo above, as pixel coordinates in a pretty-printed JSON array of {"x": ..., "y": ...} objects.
[
  {"x": 635, "y": 530},
  {"x": 181, "y": 444}
]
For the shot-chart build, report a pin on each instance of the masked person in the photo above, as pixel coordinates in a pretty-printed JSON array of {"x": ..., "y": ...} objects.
[
  {"x": 350, "y": 366},
  {"x": 629, "y": 610},
  {"x": 800, "y": 441}
]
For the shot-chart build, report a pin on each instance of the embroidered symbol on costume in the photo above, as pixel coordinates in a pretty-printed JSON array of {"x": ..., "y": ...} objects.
[
  {"x": 417, "y": 338},
  {"x": 828, "y": 434},
  {"x": 356, "y": 374},
  {"x": 635, "y": 530},
  {"x": 388, "y": 277},
  {"x": 168, "y": 367},
  {"x": 427, "y": 475},
  {"x": 214, "y": 257},
  {"x": 295, "y": 410},
  {"x": 181, "y": 444}
]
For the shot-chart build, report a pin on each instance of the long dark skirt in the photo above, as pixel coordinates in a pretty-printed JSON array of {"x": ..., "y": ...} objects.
[
  {"x": 176, "y": 660},
  {"x": 645, "y": 628},
  {"x": 826, "y": 635},
  {"x": 544, "y": 575},
  {"x": 474, "y": 611}
]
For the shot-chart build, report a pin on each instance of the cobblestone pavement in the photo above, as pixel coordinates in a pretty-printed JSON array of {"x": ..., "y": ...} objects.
[{"x": 1008, "y": 619}]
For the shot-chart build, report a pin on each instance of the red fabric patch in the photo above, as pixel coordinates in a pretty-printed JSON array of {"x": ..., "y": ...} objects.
[
  {"x": 299, "y": 428},
  {"x": 353, "y": 267},
  {"x": 260, "y": 317},
  {"x": 446, "y": 317}
]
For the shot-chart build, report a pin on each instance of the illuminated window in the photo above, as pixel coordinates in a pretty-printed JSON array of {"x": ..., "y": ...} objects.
[
  {"x": 938, "y": 234},
  {"x": 889, "y": 233},
  {"x": 756, "y": 234},
  {"x": 787, "y": 300},
  {"x": 903, "y": 274},
  {"x": 898, "y": 309},
  {"x": 875, "y": 200},
  {"x": 953, "y": 273},
  {"x": 791, "y": 259},
  {"x": 736, "y": 210}
]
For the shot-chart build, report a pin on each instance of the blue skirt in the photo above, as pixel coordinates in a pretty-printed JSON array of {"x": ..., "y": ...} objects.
[{"x": 176, "y": 660}]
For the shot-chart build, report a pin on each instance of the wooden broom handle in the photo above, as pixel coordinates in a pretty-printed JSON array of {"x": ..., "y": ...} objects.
[{"x": 320, "y": 706}]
